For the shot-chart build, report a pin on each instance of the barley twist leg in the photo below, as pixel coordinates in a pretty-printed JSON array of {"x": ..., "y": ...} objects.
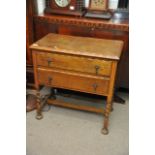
[
  {"x": 108, "y": 108},
  {"x": 39, "y": 113}
]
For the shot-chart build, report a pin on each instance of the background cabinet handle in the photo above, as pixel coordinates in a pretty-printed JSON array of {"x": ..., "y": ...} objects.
[{"x": 92, "y": 28}]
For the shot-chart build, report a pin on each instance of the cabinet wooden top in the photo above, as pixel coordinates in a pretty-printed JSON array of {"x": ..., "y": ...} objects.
[{"x": 81, "y": 46}]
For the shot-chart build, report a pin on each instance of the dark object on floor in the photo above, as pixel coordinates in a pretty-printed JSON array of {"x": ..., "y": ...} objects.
[
  {"x": 31, "y": 102},
  {"x": 118, "y": 99}
]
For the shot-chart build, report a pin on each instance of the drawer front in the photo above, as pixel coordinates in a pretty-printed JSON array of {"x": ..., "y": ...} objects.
[
  {"x": 74, "y": 63},
  {"x": 68, "y": 80}
]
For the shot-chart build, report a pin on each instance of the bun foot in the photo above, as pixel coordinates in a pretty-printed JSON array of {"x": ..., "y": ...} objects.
[
  {"x": 104, "y": 131},
  {"x": 39, "y": 116}
]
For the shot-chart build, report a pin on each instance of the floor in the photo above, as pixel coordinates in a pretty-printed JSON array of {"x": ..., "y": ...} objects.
[{"x": 70, "y": 132}]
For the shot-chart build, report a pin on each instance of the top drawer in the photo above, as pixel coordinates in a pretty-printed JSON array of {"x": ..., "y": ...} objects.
[{"x": 74, "y": 63}]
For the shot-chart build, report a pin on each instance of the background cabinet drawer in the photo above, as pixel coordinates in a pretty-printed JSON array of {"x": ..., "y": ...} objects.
[
  {"x": 74, "y": 63},
  {"x": 73, "y": 81}
]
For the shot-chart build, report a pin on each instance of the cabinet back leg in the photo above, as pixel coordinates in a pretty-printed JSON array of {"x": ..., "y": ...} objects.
[{"x": 39, "y": 113}]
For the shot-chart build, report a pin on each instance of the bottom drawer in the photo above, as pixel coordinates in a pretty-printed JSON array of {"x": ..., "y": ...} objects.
[{"x": 73, "y": 81}]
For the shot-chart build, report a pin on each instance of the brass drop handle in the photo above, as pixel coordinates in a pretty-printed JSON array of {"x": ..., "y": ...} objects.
[
  {"x": 49, "y": 80},
  {"x": 97, "y": 69},
  {"x": 49, "y": 60},
  {"x": 95, "y": 86}
]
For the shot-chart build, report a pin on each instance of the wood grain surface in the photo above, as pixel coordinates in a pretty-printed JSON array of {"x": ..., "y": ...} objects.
[
  {"x": 74, "y": 63},
  {"x": 92, "y": 47},
  {"x": 73, "y": 81}
]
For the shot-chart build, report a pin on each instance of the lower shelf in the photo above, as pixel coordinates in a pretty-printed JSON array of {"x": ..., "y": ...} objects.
[{"x": 72, "y": 105}]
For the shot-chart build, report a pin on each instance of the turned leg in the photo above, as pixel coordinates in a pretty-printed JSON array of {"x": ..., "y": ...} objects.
[
  {"x": 108, "y": 109},
  {"x": 39, "y": 113}
]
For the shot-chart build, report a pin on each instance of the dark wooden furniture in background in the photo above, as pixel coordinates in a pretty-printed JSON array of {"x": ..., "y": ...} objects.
[
  {"x": 29, "y": 30},
  {"x": 123, "y": 3},
  {"x": 77, "y": 63},
  {"x": 115, "y": 28},
  {"x": 29, "y": 40}
]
